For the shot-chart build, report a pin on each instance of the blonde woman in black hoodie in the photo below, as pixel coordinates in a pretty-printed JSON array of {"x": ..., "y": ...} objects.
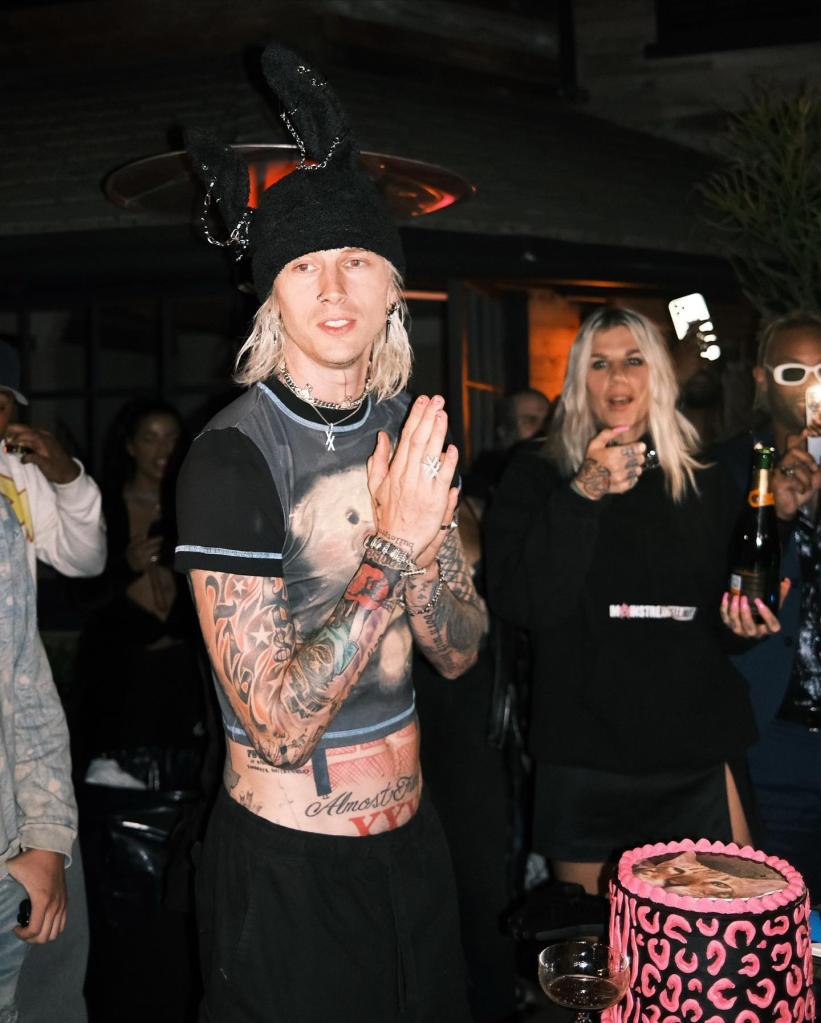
[{"x": 610, "y": 546}]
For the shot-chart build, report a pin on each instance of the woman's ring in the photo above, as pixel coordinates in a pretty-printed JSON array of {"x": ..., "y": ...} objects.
[
  {"x": 431, "y": 466},
  {"x": 788, "y": 470}
]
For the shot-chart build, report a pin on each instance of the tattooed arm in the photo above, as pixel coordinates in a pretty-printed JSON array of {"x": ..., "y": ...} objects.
[
  {"x": 448, "y": 633},
  {"x": 286, "y": 695}
]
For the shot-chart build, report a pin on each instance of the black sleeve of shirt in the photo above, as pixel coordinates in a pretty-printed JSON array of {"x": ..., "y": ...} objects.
[
  {"x": 540, "y": 537},
  {"x": 229, "y": 515}
]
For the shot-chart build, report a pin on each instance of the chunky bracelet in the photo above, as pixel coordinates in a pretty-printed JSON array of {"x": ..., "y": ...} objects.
[
  {"x": 436, "y": 592},
  {"x": 390, "y": 554}
]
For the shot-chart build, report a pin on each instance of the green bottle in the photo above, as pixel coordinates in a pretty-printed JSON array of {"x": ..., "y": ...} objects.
[{"x": 755, "y": 552}]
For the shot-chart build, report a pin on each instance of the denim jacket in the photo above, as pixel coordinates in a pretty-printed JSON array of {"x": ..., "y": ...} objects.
[{"x": 37, "y": 807}]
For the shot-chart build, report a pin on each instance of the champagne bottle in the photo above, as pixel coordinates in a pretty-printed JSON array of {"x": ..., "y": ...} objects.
[{"x": 755, "y": 553}]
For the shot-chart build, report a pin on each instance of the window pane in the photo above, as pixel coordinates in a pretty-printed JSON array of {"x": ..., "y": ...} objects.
[
  {"x": 427, "y": 335},
  {"x": 208, "y": 333},
  {"x": 57, "y": 354},
  {"x": 130, "y": 335}
]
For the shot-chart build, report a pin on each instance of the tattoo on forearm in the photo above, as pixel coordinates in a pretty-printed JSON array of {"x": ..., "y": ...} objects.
[
  {"x": 449, "y": 633},
  {"x": 593, "y": 478},
  {"x": 286, "y": 695}
]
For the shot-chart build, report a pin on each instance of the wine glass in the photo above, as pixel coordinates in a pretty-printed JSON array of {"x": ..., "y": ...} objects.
[{"x": 585, "y": 975}]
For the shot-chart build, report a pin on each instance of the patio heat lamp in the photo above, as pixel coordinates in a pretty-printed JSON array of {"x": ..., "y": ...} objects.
[{"x": 165, "y": 185}]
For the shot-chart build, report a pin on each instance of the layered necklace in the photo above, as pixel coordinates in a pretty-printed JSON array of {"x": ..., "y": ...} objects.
[{"x": 306, "y": 394}]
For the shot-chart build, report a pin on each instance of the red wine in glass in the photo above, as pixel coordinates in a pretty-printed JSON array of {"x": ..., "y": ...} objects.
[{"x": 587, "y": 976}]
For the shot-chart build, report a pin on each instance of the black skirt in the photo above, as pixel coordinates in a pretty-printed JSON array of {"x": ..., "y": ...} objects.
[{"x": 584, "y": 815}]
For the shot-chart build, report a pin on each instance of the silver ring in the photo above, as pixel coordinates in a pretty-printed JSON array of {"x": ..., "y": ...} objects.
[
  {"x": 431, "y": 466},
  {"x": 788, "y": 470},
  {"x": 154, "y": 559}
]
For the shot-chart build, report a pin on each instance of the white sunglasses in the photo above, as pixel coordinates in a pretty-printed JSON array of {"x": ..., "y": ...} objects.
[{"x": 793, "y": 373}]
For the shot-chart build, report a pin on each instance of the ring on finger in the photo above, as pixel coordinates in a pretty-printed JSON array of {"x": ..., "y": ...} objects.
[
  {"x": 789, "y": 470},
  {"x": 431, "y": 466}
]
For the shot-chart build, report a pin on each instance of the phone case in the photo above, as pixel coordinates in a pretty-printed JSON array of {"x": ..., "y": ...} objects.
[{"x": 686, "y": 310}]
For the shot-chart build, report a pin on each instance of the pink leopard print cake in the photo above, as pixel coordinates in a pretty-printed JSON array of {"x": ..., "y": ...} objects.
[{"x": 715, "y": 934}]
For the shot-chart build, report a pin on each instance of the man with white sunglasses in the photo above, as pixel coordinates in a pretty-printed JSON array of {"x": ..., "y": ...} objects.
[{"x": 784, "y": 670}]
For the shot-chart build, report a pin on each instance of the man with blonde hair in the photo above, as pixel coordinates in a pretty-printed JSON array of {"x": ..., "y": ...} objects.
[{"x": 316, "y": 531}]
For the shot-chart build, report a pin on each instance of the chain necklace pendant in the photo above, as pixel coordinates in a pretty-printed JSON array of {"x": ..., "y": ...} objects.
[{"x": 329, "y": 438}]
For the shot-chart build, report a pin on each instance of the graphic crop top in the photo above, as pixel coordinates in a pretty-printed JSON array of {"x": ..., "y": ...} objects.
[{"x": 258, "y": 494}]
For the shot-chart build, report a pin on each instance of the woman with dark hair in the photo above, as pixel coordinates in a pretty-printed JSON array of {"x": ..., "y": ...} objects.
[
  {"x": 140, "y": 636},
  {"x": 139, "y": 732},
  {"x": 610, "y": 546}
]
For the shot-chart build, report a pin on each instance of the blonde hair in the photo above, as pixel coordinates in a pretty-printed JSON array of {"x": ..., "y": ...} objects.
[
  {"x": 674, "y": 437},
  {"x": 262, "y": 353}
]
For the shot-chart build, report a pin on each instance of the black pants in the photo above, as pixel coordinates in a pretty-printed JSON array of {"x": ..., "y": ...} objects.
[{"x": 297, "y": 927}]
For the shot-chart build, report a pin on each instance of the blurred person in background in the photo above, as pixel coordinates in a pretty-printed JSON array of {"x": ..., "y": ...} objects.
[
  {"x": 56, "y": 502},
  {"x": 521, "y": 417},
  {"x": 138, "y": 731},
  {"x": 701, "y": 393},
  {"x": 470, "y": 787}
]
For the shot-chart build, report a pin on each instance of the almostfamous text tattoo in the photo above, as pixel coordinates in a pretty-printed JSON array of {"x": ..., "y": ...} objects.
[
  {"x": 393, "y": 805},
  {"x": 449, "y": 632},
  {"x": 286, "y": 694},
  {"x": 593, "y": 478}
]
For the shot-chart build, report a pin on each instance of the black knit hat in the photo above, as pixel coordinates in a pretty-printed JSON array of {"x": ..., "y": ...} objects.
[{"x": 328, "y": 203}]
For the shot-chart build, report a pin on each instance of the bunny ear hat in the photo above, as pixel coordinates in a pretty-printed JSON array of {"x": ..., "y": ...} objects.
[{"x": 328, "y": 202}]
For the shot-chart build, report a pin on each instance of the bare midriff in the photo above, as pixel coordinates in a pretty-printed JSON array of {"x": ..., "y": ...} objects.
[{"x": 374, "y": 786}]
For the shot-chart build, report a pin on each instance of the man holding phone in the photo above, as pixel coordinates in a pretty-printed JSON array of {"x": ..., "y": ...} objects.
[
  {"x": 784, "y": 670},
  {"x": 38, "y": 815}
]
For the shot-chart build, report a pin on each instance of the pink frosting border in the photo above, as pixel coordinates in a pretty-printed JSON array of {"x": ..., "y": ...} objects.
[{"x": 664, "y": 897}]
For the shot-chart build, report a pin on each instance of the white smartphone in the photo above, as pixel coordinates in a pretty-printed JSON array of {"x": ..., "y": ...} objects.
[{"x": 687, "y": 310}]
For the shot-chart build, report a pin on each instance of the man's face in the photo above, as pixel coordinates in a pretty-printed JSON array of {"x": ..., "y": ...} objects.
[
  {"x": 699, "y": 381},
  {"x": 333, "y": 304},
  {"x": 8, "y": 408},
  {"x": 787, "y": 402},
  {"x": 529, "y": 413}
]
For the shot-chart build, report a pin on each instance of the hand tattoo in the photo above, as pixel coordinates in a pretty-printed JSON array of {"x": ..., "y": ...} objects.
[{"x": 593, "y": 478}]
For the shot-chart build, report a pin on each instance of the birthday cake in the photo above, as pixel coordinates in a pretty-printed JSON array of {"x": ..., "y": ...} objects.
[{"x": 715, "y": 934}]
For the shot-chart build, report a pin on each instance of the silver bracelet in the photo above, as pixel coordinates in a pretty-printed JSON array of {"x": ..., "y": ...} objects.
[
  {"x": 436, "y": 592},
  {"x": 391, "y": 555}
]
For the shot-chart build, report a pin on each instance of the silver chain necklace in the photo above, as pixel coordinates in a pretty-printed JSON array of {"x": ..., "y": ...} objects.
[{"x": 306, "y": 394}]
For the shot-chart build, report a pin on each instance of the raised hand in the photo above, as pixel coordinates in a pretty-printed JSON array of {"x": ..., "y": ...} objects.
[
  {"x": 44, "y": 451},
  {"x": 142, "y": 554},
  {"x": 797, "y": 477},
  {"x": 411, "y": 491},
  {"x": 609, "y": 467}
]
